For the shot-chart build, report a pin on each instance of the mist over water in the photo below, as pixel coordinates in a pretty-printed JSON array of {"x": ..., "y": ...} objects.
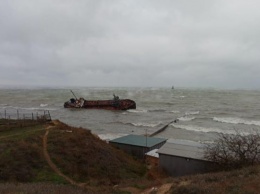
[{"x": 201, "y": 114}]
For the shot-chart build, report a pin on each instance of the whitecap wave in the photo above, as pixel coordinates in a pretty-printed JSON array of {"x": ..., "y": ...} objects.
[
  {"x": 43, "y": 105},
  {"x": 111, "y": 136},
  {"x": 192, "y": 113},
  {"x": 31, "y": 108},
  {"x": 173, "y": 111},
  {"x": 157, "y": 110},
  {"x": 186, "y": 118},
  {"x": 145, "y": 124},
  {"x": 202, "y": 129},
  {"x": 234, "y": 120},
  {"x": 137, "y": 111}
]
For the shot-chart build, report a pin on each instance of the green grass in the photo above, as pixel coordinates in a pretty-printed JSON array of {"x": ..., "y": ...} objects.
[
  {"x": 44, "y": 175},
  {"x": 21, "y": 154},
  {"x": 19, "y": 133}
]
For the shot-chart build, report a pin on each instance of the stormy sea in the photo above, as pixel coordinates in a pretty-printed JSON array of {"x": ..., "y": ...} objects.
[{"x": 200, "y": 114}]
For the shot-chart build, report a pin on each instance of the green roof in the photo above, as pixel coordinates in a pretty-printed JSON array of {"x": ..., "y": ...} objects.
[{"x": 138, "y": 140}]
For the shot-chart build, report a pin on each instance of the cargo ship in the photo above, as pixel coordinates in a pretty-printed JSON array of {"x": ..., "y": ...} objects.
[{"x": 114, "y": 104}]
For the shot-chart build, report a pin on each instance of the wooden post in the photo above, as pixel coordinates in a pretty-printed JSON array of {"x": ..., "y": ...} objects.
[{"x": 17, "y": 114}]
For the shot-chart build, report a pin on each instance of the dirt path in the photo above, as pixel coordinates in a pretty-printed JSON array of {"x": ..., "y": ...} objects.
[{"x": 51, "y": 164}]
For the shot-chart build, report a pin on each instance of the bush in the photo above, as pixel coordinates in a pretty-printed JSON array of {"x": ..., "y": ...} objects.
[{"x": 233, "y": 151}]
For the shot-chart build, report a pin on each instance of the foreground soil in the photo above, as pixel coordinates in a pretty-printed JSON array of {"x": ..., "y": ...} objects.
[{"x": 57, "y": 158}]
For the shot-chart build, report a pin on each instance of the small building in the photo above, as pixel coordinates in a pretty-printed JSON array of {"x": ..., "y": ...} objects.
[
  {"x": 180, "y": 158},
  {"x": 137, "y": 145}
]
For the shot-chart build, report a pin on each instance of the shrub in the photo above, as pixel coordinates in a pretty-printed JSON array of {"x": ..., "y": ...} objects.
[{"x": 233, "y": 151}]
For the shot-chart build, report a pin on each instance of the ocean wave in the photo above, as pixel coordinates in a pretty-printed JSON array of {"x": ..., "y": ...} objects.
[
  {"x": 31, "y": 108},
  {"x": 137, "y": 111},
  {"x": 145, "y": 124},
  {"x": 173, "y": 111},
  {"x": 185, "y": 118},
  {"x": 157, "y": 110},
  {"x": 202, "y": 129},
  {"x": 234, "y": 120},
  {"x": 111, "y": 136},
  {"x": 192, "y": 113},
  {"x": 43, "y": 105}
]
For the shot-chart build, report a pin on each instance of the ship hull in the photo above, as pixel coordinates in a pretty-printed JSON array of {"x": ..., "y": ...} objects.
[{"x": 123, "y": 104}]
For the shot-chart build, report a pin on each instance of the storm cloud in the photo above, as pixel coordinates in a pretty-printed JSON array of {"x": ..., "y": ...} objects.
[{"x": 146, "y": 43}]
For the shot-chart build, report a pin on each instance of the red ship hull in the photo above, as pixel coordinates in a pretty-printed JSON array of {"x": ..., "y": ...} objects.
[{"x": 122, "y": 104}]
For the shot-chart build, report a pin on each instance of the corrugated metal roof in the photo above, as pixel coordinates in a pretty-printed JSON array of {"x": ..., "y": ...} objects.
[
  {"x": 138, "y": 140},
  {"x": 187, "y": 150}
]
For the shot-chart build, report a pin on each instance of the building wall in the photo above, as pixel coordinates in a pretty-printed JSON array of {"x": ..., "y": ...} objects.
[
  {"x": 137, "y": 151},
  {"x": 179, "y": 166}
]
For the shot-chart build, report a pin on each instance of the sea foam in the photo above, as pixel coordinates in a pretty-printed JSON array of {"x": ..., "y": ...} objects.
[
  {"x": 186, "y": 118},
  {"x": 202, "y": 129},
  {"x": 111, "y": 136},
  {"x": 43, "y": 105},
  {"x": 234, "y": 120},
  {"x": 137, "y": 111},
  {"x": 145, "y": 124}
]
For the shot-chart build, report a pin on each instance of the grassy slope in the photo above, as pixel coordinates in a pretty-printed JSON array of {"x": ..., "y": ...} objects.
[
  {"x": 241, "y": 181},
  {"x": 79, "y": 155},
  {"x": 22, "y": 158},
  {"x": 86, "y": 159}
]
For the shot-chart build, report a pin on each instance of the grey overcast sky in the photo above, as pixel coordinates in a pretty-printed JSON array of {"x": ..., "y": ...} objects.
[{"x": 130, "y": 43}]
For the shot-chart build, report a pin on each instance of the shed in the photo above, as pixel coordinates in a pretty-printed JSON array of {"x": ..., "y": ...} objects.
[
  {"x": 137, "y": 145},
  {"x": 180, "y": 158}
]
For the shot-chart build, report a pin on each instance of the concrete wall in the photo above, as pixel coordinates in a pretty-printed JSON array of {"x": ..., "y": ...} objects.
[{"x": 179, "y": 166}]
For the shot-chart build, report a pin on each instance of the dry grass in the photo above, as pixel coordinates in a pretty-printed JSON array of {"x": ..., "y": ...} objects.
[
  {"x": 39, "y": 188},
  {"x": 78, "y": 154},
  {"x": 85, "y": 158},
  {"x": 243, "y": 181}
]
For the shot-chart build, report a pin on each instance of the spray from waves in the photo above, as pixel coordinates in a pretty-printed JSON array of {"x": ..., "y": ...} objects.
[{"x": 237, "y": 121}]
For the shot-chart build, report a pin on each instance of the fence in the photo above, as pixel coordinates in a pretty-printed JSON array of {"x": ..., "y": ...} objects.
[{"x": 14, "y": 119}]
